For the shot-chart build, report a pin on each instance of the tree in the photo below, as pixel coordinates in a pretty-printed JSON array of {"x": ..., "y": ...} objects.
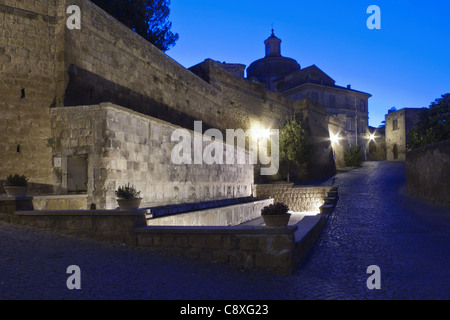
[
  {"x": 295, "y": 147},
  {"x": 433, "y": 125},
  {"x": 148, "y": 18},
  {"x": 353, "y": 156}
]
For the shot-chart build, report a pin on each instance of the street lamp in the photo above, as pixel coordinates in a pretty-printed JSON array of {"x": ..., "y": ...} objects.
[
  {"x": 334, "y": 138},
  {"x": 260, "y": 133}
]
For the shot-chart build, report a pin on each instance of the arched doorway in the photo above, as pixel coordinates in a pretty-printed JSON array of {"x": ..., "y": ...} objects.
[{"x": 395, "y": 151}]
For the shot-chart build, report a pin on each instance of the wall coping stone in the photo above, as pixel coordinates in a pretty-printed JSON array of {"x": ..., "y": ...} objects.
[
  {"x": 65, "y": 213},
  {"x": 213, "y": 230},
  {"x": 60, "y": 196}
]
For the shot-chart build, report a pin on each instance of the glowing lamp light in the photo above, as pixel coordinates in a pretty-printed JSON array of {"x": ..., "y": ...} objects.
[
  {"x": 334, "y": 138},
  {"x": 260, "y": 133},
  {"x": 371, "y": 137}
]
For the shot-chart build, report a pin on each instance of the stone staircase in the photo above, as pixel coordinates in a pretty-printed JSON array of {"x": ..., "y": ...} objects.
[{"x": 330, "y": 201}]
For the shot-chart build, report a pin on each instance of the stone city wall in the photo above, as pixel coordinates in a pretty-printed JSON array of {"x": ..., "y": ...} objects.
[
  {"x": 299, "y": 199},
  {"x": 108, "y": 62},
  {"x": 123, "y": 146},
  {"x": 246, "y": 103},
  {"x": 428, "y": 174},
  {"x": 45, "y": 65},
  {"x": 27, "y": 87}
]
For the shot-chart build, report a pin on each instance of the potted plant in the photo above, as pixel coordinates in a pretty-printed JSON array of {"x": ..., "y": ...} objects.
[
  {"x": 16, "y": 185},
  {"x": 128, "y": 198},
  {"x": 276, "y": 215}
]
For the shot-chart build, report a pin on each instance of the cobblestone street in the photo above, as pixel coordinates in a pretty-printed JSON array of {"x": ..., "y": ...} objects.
[{"x": 374, "y": 223}]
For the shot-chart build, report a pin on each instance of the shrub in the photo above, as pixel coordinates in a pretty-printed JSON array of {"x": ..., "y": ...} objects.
[
  {"x": 127, "y": 192},
  {"x": 17, "y": 180},
  {"x": 275, "y": 209},
  {"x": 353, "y": 156}
]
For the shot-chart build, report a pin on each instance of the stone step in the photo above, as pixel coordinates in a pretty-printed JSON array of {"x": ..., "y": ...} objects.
[
  {"x": 330, "y": 200},
  {"x": 326, "y": 208},
  {"x": 332, "y": 193}
]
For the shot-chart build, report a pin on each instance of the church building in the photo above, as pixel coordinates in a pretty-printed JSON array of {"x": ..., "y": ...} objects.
[{"x": 346, "y": 108}]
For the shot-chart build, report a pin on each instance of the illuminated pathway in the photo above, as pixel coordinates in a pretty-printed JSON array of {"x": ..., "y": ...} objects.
[{"x": 374, "y": 223}]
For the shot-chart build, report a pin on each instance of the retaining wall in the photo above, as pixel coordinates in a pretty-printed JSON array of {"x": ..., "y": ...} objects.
[
  {"x": 245, "y": 246},
  {"x": 275, "y": 250},
  {"x": 106, "y": 225},
  {"x": 122, "y": 146},
  {"x": 428, "y": 173},
  {"x": 299, "y": 199}
]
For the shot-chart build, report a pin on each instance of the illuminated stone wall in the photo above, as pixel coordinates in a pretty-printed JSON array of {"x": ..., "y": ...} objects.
[
  {"x": 299, "y": 199},
  {"x": 122, "y": 146}
]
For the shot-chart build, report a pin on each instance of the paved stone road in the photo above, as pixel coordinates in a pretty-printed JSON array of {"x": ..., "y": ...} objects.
[{"x": 374, "y": 223}]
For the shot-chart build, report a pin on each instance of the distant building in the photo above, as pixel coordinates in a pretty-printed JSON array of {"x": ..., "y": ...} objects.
[
  {"x": 397, "y": 125},
  {"x": 377, "y": 144},
  {"x": 347, "y": 108}
]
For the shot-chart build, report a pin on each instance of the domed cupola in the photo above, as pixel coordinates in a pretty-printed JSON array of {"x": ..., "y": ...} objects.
[
  {"x": 273, "y": 65},
  {"x": 273, "y": 46}
]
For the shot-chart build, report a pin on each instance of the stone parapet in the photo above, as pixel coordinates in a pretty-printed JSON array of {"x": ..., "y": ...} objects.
[
  {"x": 260, "y": 248},
  {"x": 105, "y": 225},
  {"x": 298, "y": 198},
  {"x": 61, "y": 202}
]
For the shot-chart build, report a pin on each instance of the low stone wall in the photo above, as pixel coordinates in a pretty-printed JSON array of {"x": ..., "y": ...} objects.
[
  {"x": 222, "y": 216},
  {"x": 61, "y": 202},
  {"x": 243, "y": 247},
  {"x": 276, "y": 250},
  {"x": 428, "y": 173},
  {"x": 299, "y": 199},
  {"x": 10, "y": 205},
  {"x": 246, "y": 246},
  {"x": 106, "y": 225}
]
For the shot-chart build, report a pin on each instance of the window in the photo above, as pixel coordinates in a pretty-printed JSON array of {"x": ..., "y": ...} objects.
[
  {"x": 332, "y": 101},
  {"x": 349, "y": 125},
  {"x": 314, "y": 97},
  {"x": 363, "y": 126},
  {"x": 395, "y": 124},
  {"x": 362, "y": 106},
  {"x": 267, "y": 50},
  {"x": 347, "y": 101}
]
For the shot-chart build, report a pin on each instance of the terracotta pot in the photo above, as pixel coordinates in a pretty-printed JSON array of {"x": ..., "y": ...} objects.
[
  {"x": 276, "y": 221},
  {"x": 15, "y": 192},
  {"x": 129, "y": 204}
]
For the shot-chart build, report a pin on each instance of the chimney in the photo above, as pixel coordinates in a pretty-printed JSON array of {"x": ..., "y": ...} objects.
[{"x": 349, "y": 86}]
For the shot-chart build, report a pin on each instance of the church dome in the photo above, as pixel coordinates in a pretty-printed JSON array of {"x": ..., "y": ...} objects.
[{"x": 273, "y": 65}]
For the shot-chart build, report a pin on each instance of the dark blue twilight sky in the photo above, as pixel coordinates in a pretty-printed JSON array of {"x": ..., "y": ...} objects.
[{"x": 404, "y": 64}]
